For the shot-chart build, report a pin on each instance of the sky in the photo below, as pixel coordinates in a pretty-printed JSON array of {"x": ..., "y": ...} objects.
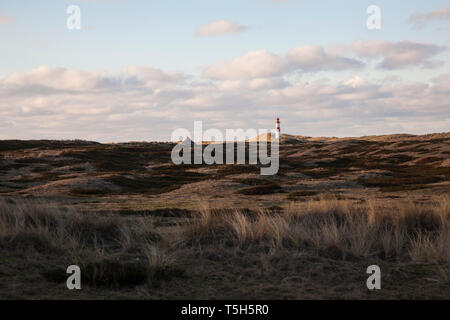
[{"x": 137, "y": 70}]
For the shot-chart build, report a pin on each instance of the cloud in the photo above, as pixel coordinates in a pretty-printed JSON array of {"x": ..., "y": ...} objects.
[
  {"x": 396, "y": 55},
  {"x": 315, "y": 58},
  {"x": 47, "y": 80},
  {"x": 255, "y": 64},
  {"x": 219, "y": 27},
  {"x": 152, "y": 77},
  {"x": 4, "y": 19},
  {"x": 261, "y": 64},
  {"x": 442, "y": 83},
  {"x": 61, "y": 79},
  {"x": 254, "y": 84},
  {"x": 421, "y": 19},
  {"x": 144, "y": 103}
]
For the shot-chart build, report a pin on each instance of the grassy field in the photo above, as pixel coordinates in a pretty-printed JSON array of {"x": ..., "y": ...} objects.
[
  {"x": 142, "y": 228},
  {"x": 316, "y": 249}
]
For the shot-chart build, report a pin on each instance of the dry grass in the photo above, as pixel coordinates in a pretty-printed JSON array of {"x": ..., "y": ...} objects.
[
  {"x": 275, "y": 252},
  {"x": 338, "y": 229},
  {"x": 261, "y": 190},
  {"x": 317, "y": 246},
  {"x": 27, "y": 223},
  {"x": 111, "y": 251}
]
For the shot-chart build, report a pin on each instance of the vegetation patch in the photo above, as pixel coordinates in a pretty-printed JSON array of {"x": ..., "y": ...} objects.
[
  {"x": 13, "y": 145},
  {"x": 88, "y": 192},
  {"x": 252, "y": 181},
  {"x": 399, "y": 183},
  {"x": 106, "y": 273},
  {"x": 428, "y": 160},
  {"x": 330, "y": 196},
  {"x": 116, "y": 274},
  {"x": 153, "y": 184},
  {"x": 300, "y": 195},
  {"x": 336, "y": 229},
  {"x": 162, "y": 212},
  {"x": 261, "y": 190},
  {"x": 335, "y": 163}
]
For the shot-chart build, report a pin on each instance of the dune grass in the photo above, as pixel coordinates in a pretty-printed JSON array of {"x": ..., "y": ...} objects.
[
  {"x": 299, "y": 241},
  {"x": 111, "y": 251},
  {"x": 341, "y": 228}
]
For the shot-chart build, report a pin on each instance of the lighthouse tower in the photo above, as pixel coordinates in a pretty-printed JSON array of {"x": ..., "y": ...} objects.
[{"x": 277, "y": 128}]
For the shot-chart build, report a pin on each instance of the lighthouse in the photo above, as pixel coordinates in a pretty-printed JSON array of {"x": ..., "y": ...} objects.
[{"x": 277, "y": 128}]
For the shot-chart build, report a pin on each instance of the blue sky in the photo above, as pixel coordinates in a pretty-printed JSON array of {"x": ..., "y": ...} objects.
[
  {"x": 161, "y": 35},
  {"x": 116, "y": 33}
]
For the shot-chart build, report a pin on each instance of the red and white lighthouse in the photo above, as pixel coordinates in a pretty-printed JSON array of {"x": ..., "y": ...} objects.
[{"x": 277, "y": 128}]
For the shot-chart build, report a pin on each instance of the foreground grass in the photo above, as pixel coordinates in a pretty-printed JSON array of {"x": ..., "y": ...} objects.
[
  {"x": 112, "y": 252},
  {"x": 316, "y": 249},
  {"x": 342, "y": 229}
]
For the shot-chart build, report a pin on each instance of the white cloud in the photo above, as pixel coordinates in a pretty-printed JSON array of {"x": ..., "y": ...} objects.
[
  {"x": 314, "y": 58},
  {"x": 219, "y": 27},
  {"x": 4, "y": 19},
  {"x": 152, "y": 77},
  {"x": 56, "y": 79},
  {"x": 45, "y": 79},
  {"x": 98, "y": 106},
  {"x": 254, "y": 84},
  {"x": 355, "y": 82},
  {"x": 255, "y": 64},
  {"x": 421, "y": 19},
  {"x": 442, "y": 84},
  {"x": 397, "y": 55}
]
